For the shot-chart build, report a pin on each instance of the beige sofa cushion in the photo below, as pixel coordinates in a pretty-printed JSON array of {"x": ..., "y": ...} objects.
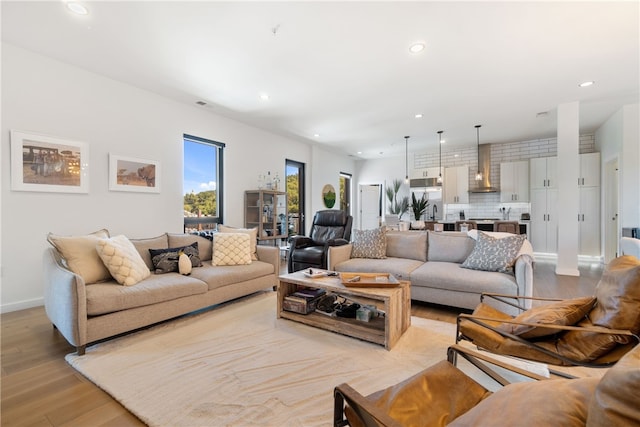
[
  {"x": 123, "y": 260},
  {"x": 109, "y": 297},
  {"x": 449, "y": 246},
  {"x": 205, "y": 245},
  {"x": 81, "y": 255},
  {"x": 407, "y": 244},
  {"x": 143, "y": 246}
]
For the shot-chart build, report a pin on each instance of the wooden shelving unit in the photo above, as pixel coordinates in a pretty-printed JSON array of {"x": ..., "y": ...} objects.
[{"x": 266, "y": 210}]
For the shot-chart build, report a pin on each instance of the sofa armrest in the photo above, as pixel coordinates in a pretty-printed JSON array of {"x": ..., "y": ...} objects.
[
  {"x": 338, "y": 254},
  {"x": 524, "y": 278},
  {"x": 270, "y": 254},
  {"x": 65, "y": 299}
]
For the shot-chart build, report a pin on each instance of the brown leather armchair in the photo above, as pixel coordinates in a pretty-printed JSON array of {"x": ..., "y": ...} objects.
[
  {"x": 590, "y": 331},
  {"x": 445, "y": 395},
  {"x": 330, "y": 228}
]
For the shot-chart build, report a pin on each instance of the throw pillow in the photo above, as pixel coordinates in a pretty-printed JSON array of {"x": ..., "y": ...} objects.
[
  {"x": 369, "y": 243},
  {"x": 81, "y": 256},
  {"x": 557, "y": 403},
  {"x": 562, "y": 313},
  {"x": 177, "y": 240},
  {"x": 166, "y": 260},
  {"x": 492, "y": 254},
  {"x": 253, "y": 237},
  {"x": 618, "y": 295},
  {"x": 123, "y": 260},
  {"x": 231, "y": 249}
]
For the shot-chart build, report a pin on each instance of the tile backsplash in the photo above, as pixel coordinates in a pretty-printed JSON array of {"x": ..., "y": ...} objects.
[{"x": 487, "y": 205}]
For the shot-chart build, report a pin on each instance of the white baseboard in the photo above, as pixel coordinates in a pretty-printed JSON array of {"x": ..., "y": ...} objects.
[
  {"x": 21, "y": 305},
  {"x": 568, "y": 271}
]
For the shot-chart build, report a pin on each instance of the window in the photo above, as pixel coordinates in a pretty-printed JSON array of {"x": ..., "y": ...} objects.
[
  {"x": 295, "y": 196},
  {"x": 202, "y": 183}
]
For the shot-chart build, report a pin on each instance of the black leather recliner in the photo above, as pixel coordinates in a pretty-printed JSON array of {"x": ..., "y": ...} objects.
[{"x": 330, "y": 228}]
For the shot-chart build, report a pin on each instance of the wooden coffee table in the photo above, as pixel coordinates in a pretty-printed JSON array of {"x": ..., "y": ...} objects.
[{"x": 394, "y": 302}]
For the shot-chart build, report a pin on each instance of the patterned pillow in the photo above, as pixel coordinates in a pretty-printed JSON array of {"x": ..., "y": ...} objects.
[
  {"x": 253, "y": 237},
  {"x": 493, "y": 254},
  {"x": 231, "y": 249},
  {"x": 123, "y": 260},
  {"x": 166, "y": 260},
  {"x": 369, "y": 243}
]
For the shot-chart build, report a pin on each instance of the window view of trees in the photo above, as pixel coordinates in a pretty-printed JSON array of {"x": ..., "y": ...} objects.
[
  {"x": 292, "y": 194},
  {"x": 200, "y": 204}
]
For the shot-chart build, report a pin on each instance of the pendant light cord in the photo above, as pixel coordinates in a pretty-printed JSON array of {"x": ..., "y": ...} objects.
[{"x": 406, "y": 159}]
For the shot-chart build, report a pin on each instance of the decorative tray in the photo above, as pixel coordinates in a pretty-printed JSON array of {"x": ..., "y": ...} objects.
[
  {"x": 314, "y": 273},
  {"x": 368, "y": 280}
]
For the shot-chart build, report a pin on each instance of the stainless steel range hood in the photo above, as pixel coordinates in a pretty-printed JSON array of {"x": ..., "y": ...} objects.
[{"x": 484, "y": 165}]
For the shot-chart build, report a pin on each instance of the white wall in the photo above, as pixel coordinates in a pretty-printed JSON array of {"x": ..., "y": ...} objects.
[
  {"x": 619, "y": 137},
  {"x": 45, "y": 96},
  {"x": 326, "y": 169}
]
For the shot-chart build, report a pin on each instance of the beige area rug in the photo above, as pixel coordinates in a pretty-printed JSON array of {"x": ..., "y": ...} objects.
[{"x": 238, "y": 365}]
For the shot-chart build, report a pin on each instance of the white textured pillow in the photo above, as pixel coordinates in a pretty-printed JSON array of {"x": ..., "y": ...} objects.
[
  {"x": 251, "y": 232},
  {"x": 80, "y": 254},
  {"x": 123, "y": 260},
  {"x": 231, "y": 249}
]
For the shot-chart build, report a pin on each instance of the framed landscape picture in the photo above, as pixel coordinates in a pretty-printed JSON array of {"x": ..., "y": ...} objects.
[
  {"x": 49, "y": 164},
  {"x": 131, "y": 174}
]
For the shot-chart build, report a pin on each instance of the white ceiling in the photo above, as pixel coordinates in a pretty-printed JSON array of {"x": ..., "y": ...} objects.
[{"x": 343, "y": 70}]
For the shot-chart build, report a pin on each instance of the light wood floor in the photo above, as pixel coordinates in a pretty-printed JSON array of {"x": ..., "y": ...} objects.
[{"x": 40, "y": 389}]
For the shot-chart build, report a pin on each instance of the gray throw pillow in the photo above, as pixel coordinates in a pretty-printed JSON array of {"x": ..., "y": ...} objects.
[
  {"x": 493, "y": 254},
  {"x": 369, "y": 243}
]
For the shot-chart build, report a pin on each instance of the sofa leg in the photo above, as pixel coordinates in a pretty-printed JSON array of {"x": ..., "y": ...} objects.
[{"x": 81, "y": 349}]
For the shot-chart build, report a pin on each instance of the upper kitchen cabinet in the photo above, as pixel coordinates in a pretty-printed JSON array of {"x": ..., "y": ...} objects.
[
  {"x": 514, "y": 181},
  {"x": 589, "y": 170},
  {"x": 424, "y": 173},
  {"x": 456, "y": 185},
  {"x": 543, "y": 172}
]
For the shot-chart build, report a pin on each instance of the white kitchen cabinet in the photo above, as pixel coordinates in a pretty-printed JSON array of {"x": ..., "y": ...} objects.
[
  {"x": 543, "y": 172},
  {"x": 514, "y": 181},
  {"x": 589, "y": 214},
  {"x": 589, "y": 170},
  {"x": 424, "y": 173},
  {"x": 544, "y": 220},
  {"x": 589, "y": 221},
  {"x": 456, "y": 184}
]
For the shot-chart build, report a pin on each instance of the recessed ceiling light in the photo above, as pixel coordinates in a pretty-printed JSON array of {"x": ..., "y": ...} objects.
[
  {"x": 264, "y": 96},
  {"x": 317, "y": 135},
  {"x": 585, "y": 84},
  {"x": 418, "y": 116},
  {"x": 417, "y": 47},
  {"x": 359, "y": 152},
  {"x": 443, "y": 141},
  {"x": 77, "y": 8}
]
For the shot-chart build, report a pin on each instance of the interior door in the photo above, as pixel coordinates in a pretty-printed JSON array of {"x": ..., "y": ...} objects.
[{"x": 370, "y": 206}]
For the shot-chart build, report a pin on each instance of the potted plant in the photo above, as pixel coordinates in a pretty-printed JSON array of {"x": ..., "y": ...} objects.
[
  {"x": 397, "y": 207},
  {"x": 418, "y": 206}
]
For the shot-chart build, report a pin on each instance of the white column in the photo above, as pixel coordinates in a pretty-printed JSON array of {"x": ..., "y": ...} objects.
[{"x": 568, "y": 196}]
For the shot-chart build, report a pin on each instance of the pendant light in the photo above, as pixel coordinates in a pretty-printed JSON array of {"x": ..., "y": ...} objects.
[
  {"x": 406, "y": 159},
  {"x": 440, "y": 146},
  {"x": 479, "y": 174}
]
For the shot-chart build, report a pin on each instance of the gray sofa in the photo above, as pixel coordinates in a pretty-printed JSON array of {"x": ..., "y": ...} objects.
[
  {"x": 88, "y": 312},
  {"x": 431, "y": 261}
]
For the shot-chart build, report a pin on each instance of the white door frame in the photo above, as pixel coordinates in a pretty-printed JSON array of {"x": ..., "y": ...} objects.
[{"x": 611, "y": 230}]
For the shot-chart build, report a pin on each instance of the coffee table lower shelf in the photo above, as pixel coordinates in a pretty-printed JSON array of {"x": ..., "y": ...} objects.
[{"x": 385, "y": 331}]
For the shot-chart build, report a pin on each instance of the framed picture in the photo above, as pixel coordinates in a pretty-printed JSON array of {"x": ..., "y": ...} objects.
[
  {"x": 131, "y": 174},
  {"x": 44, "y": 163}
]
